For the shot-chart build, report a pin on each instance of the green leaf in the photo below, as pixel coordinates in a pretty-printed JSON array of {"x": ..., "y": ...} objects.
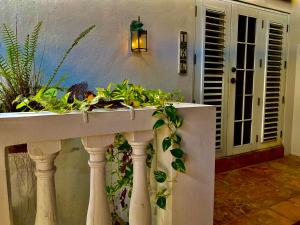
[
  {"x": 65, "y": 97},
  {"x": 178, "y": 122},
  {"x": 158, "y": 124},
  {"x": 50, "y": 93},
  {"x": 22, "y": 104},
  {"x": 177, "y": 152},
  {"x": 157, "y": 113},
  {"x": 178, "y": 165},
  {"x": 167, "y": 142},
  {"x": 160, "y": 176},
  {"x": 171, "y": 112},
  {"x": 161, "y": 202},
  {"x": 176, "y": 139}
]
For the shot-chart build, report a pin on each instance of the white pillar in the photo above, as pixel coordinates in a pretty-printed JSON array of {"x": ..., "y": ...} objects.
[
  {"x": 98, "y": 209},
  {"x": 140, "y": 207},
  {"x": 5, "y": 206},
  {"x": 44, "y": 154}
]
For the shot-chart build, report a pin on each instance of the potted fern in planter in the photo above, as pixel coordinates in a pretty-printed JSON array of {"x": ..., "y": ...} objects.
[{"x": 19, "y": 76}]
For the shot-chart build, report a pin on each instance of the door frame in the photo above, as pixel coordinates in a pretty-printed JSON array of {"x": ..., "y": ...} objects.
[
  {"x": 237, "y": 10},
  {"x": 225, "y": 5}
]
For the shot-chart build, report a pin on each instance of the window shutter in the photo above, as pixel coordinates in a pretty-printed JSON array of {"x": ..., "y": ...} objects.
[
  {"x": 213, "y": 76},
  {"x": 273, "y": 83}
]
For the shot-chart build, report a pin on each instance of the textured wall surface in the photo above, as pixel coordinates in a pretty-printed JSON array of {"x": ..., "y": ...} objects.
[{"x": 104, "y": 56}]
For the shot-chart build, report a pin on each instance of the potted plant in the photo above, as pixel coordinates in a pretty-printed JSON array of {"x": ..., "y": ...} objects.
[{"x": 20, "y": 77}]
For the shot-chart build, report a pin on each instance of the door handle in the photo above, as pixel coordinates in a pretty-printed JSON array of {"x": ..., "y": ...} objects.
[
  {"x": 233, "y": 80},
  {"x": 233, "y": 69}
]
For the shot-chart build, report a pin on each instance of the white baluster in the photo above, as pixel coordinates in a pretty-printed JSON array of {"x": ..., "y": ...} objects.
[
  {"x": 98, "y": 209},
  {"x": 44, "y": 154},
  {"x": 140, "y": 208}
]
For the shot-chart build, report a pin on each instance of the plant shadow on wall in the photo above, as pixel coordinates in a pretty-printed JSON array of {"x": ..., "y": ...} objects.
[{"x": 123, "y": 95}]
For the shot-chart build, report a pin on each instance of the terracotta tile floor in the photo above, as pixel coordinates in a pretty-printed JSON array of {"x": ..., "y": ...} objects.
[{"x": 263, "y": 194}]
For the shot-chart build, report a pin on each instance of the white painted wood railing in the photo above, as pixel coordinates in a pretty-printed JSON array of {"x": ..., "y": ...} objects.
[{"x": 44, "y": 131}]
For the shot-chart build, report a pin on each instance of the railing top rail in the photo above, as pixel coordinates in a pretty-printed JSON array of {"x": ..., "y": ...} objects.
[{"x": 19, "y": 128}]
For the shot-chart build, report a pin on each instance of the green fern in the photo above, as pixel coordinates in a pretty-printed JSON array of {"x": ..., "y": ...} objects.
[{"x": 18, "y": 77}]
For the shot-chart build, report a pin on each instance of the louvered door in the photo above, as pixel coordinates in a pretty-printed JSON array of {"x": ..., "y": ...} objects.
[
  {"x": 242, "y": 49},
  {"x": 273, "y": 83},
  {"x": 213, "y": 77},
  {"x": 274, "y": 79}
]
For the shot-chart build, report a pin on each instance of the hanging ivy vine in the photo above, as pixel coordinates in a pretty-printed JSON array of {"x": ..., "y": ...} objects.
[
  {"x": 167, "y": 116},
  {"x": 119, "y": 156}
]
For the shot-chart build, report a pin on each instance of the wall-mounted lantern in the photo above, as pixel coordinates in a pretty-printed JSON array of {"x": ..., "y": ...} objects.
[{"x": 138, "y": 36}]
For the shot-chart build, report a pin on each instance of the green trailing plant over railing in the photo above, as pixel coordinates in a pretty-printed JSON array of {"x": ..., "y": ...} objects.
[
  {"x": 19, "y": 75},
  {"x": 119, "y": 158},
  {"x": 167, "y": 116},
  {"x": 124, "y": 94}
]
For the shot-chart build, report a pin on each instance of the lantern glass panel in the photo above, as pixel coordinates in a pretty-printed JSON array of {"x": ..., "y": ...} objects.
[
  {"x": 134, "y": 40},
  {"x": 143, "y": 40}
]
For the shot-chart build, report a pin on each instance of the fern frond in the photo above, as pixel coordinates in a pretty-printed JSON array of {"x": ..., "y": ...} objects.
[
  {"x": 33, "y": 44},
  {"x": 7, "y": 75},
  {"x": 12, "y": 48},
  {"x": 26, "y": 53},
  {"x": 76, "y": 41},
  {"x": 6, "y": 97}
]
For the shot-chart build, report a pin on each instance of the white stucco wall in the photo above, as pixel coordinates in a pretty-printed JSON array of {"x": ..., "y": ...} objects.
[{"x": 104, "y": 56}]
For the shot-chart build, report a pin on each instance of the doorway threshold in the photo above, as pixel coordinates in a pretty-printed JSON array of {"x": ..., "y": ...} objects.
[{"x": 247, "y": 159}]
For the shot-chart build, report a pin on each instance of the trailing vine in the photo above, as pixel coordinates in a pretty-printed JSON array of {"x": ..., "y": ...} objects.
[
  {"x": 167, "y": 116},
  {"x": 119, "y": 157},
  {"x": 121, "y": 168}
]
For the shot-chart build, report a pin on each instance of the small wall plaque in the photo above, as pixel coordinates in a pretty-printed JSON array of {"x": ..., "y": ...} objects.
[{"x": 182, "y": 53}]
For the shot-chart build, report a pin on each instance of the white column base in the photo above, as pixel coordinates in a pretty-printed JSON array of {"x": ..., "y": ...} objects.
[
  {"x": 44, "y": 154},
  {"x": 140, "y": 207},
  {"x": 98, "y": 209}
]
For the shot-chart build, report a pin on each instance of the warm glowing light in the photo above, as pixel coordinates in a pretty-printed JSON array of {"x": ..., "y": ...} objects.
[{"x": 138, "y": 36}]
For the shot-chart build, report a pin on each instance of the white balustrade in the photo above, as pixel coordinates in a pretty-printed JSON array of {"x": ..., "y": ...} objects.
[
  {"x": 98, "y": 209},
  {"x": 44, "y": 154},
  {"x": 43, "y": 131},
  {"x": 140, "y": 208}
]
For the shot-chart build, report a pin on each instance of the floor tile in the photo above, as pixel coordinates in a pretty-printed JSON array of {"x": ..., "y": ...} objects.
[
  {"x": 269, "y": 217},
  {"x": 245, "y": 196},
  {"x": 288, "y": 209}
]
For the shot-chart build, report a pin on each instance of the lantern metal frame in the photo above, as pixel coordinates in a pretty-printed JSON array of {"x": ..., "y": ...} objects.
[{"x": 136, "y": 29}]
